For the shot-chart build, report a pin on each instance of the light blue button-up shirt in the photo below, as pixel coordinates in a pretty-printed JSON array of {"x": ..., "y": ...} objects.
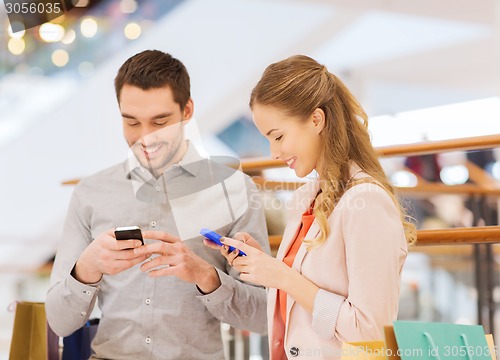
[{"x": 159, "y": 318}]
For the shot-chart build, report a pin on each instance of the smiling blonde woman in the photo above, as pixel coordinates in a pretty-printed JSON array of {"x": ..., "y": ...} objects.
[{"x": 336, "y": 276}]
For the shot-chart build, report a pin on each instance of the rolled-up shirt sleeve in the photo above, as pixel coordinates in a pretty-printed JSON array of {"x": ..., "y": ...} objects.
[{"x": 326, "y": 312}]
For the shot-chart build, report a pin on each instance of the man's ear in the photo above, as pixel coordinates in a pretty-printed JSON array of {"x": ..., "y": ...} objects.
[
  {"x": 188, "y": 111},
  {"x": 319, "y": 120}
]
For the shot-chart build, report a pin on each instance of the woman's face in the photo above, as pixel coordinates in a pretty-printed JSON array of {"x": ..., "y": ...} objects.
[{"x": 292, "y": 140}]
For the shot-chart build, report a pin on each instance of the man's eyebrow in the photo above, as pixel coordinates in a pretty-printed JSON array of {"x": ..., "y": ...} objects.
[
  {"x": 156, "y": 117},
  {"x": 161, "y": 116},
  {"x": 125, "y": 115}
]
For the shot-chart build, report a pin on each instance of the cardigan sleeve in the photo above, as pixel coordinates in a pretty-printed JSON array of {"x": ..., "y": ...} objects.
[{"x": 375, "y": 250}]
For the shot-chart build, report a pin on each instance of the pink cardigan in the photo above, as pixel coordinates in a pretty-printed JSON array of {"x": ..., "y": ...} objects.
[{"x": 358, "y": 271}]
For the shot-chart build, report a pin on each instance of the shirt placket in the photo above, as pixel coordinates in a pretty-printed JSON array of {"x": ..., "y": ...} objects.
[{"x": 148, "y": 301}]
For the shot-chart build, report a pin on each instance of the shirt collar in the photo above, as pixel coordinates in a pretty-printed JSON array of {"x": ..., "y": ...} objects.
[{"x": 192, "y": 160}]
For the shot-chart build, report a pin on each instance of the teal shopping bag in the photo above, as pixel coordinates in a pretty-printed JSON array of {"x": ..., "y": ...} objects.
[{"x": 440, "y": 341}]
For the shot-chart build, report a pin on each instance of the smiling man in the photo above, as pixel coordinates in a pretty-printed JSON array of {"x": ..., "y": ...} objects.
[
  {"x": 165, "y": 299},
  {"x": 153, "y": 125}
]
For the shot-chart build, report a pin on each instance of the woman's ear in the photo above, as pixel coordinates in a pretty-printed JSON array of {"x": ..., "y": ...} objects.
[{"x": 319, "y": 120}]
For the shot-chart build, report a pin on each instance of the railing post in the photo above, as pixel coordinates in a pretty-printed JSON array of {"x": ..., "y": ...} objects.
[{"x": 484, "y": 266}]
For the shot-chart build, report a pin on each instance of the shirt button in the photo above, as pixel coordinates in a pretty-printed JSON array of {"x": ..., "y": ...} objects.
[
  {"x": 87, "y": 292},
  {"x": 153, "y": 223},
  {"x": 205, "y": 300},
  {"x": 83, "y": 313},
  {"x": 158, "y": 187},
  {"x": 148, "y": 301},
  {"x": 148, "y": 340}
]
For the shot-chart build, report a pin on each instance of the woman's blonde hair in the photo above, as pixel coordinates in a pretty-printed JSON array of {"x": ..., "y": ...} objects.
[{"x": 299, "y": 85}]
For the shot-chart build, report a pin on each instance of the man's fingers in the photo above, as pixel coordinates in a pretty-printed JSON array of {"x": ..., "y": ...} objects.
[
  {"x": 157, "y": 261},
  {"x": 128, "y": 254},
  {"x": 154, "y": 248},
  {"x": 160, "y": 235},
  {"x": 127, "y": 244},
  {"x": 120, "y": 265}
]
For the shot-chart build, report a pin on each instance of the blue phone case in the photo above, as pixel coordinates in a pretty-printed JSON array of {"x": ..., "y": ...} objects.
[{"x": 214, "y": 237}]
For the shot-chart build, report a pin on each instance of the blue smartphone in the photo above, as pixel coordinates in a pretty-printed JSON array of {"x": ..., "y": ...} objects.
[{"x": 214, "y": 237}]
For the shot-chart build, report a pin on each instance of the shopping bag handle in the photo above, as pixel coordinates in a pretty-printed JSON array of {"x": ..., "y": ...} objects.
[
  {"x": 435, "y": 353},
  {"x": 466, "y": 343},
  {"x": 12, "y": 306}
]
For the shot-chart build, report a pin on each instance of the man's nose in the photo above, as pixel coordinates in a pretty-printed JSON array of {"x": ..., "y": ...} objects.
[{"x": 147, "y": 135}]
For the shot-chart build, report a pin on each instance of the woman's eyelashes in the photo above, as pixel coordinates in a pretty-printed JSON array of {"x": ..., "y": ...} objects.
[{"x": 278, "y": 138}]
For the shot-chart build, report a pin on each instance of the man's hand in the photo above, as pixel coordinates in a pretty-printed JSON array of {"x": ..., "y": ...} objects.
[
  {"x": 179, "y": 260},
  {"x": 106, "y": 255}
]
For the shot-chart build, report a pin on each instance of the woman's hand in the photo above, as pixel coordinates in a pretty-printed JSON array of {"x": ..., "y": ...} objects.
[
  {"x": 256, "y": 267},
  {"x": 230, "y": 256},
  {"x": 259, "y": 268}
]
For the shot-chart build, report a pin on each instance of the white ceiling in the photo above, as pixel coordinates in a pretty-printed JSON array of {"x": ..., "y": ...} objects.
[{"x": 394, "y": 55}]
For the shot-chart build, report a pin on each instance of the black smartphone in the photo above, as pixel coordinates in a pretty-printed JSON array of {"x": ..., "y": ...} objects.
[{"x": 128, "y": 233}]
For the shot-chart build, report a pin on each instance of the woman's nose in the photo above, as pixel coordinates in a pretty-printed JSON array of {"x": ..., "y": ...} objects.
[{"x": 275, "y": 152}]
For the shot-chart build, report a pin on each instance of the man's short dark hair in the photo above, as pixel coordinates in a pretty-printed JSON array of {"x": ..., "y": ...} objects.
[{"x": 153, "y": 69}]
